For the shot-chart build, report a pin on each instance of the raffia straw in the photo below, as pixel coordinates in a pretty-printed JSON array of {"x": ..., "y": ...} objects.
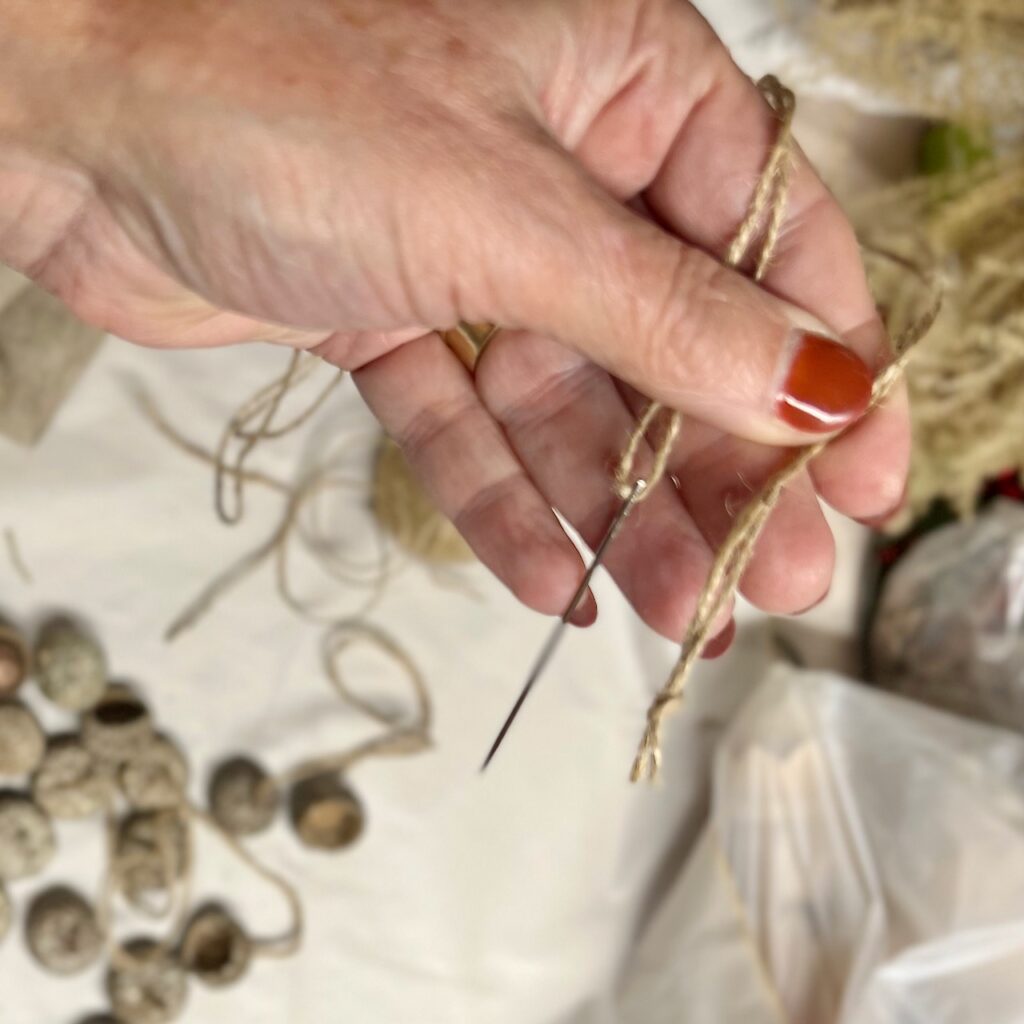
[
  {"x": 967, "y": 387},
  {"x": 957, "y": 59},
  {"x": 735, "y": 553}
]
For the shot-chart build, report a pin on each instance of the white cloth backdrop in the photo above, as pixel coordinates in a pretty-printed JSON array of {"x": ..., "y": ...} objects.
[{"x": 505, "y": 899}]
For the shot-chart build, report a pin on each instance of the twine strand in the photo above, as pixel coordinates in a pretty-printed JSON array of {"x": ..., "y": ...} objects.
[
  {"x": 762, "y": 223},
  {"x": 768, "y": 201},
  {"x": 735, "y": 553}
]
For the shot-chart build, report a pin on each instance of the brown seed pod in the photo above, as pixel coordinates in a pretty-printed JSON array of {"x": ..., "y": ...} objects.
[
  {"x": 215, "y": 948},
  {"x": 26, "y": 837},
  {"x": 155, "y": 777},
  {"x": 22, "y": 742},
  {"x": 151, "y": 855},
  {"x": 146, "y": 985},
  {"x": 13, "y": 660},
  {"x": 5, "y": 913},
  {"x": 62, "y": 931},
  {"x": 69, "y": 665},
  {"x": 325, "y": 813},
  {"x": 118, "y": 727},
  {"x": 71, "y": 782},
  {"x": 243, "y": 797},
  {"x": 406, "y": 511}
]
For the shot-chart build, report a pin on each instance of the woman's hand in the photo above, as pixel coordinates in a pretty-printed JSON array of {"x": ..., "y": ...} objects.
[{"x": 346, "y": 175}]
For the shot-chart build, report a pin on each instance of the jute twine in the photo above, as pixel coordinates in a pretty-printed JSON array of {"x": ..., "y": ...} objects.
[
  {"x": 959, "y": 59},
  {"x": 406, "y": 511},
  {"x": 967, "y": 385},
  {"x": 761, "y": 225}
]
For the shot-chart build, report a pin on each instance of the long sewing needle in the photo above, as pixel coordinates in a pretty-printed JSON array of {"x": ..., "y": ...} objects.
[{"x": 549, "y": 648}]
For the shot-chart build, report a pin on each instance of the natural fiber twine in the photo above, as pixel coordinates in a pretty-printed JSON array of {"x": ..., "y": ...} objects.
[
  {"x": 762, "y": 225},
  {"x": 957, "y": 59},
  {"x": 966, "y": 386},
  {"x": 408, "y": 514}
]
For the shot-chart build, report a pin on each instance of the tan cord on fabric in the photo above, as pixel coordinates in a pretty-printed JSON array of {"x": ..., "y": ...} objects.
[
  {"x": 262, "y": 407},
  {"x": 735, "y": 553},
  {"x": 401, "y": 738},
  {"x": 14, "y": 553}
]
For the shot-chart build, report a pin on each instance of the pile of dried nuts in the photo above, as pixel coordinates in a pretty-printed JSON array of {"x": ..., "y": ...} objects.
[{"x": 113, "y": 764}]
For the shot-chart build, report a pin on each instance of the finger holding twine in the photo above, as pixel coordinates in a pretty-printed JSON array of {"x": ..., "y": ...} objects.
[{"x": 762, "y": 224}]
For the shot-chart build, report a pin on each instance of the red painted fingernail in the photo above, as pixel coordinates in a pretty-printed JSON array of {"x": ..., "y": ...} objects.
[
  {"x": 720, "y": 644},
  {"x": 825, "y": 387}
]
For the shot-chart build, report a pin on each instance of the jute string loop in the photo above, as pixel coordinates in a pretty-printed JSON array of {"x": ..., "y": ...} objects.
[
  {"x": 262, "y": 409},
  {"x": 767, "y": 208}
]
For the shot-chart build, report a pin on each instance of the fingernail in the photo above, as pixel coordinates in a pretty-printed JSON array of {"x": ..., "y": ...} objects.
[
  {"x": 716, "y": 647},
  {"x": 875, "y": 522},
  {"x": 586, "y": 614},
  {"x": 825, "y": 385}
]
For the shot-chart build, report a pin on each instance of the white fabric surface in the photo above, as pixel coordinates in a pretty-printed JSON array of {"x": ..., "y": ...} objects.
[
  {"x": 510, "y": 897},
  {"x": 507, "y": 899}
]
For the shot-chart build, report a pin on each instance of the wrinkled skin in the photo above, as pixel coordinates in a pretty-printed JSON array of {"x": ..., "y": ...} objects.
[{"x": 344, "y": 175}]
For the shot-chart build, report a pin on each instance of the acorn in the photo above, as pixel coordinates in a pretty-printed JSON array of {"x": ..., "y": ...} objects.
[
  {"x": 243, "y": 797},
  {"x": 22, "y": 741},
  {"x": 118, "y": 728},
  {"x": 13, "y": 660},
  {"x": 27, "y": 841},
  {"x": 215, "y": 948},
  {"x": 71, "y": 782},
  {"x": 151, "y": 855},
  {"x": 325, "y": 813},
  {"x": 69, "y": 665},
  {"x": 6, "y": 913},
  {"x": 155, "y": 777},
  {"x": 62, "y": 931},
  {"x": 146, "y": 985}
]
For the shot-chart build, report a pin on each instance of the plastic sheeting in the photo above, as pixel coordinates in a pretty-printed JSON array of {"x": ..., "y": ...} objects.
[{"x": 863, "y": 864}]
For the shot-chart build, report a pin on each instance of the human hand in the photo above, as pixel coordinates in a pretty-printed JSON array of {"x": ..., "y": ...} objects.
[{"x": 345, "y": 175}]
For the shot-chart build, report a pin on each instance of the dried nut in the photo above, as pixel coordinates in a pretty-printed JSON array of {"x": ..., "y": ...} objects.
[
  {"x": 215, "y": 948},
  {"x": 155, "y": 777},
  {"x": 69, "y": 665},
  {"x": 21, "y": 739},
  {"x": 146, "y": 985},
  {"x": 71, "y": 782},
  {"x": 26, "y": 837},
  {"x": 62, "y": 931},
  {"x": 325, "y": 813},
  {"x": 118, "y": 727},
  {"x": 100, "y": 1018},
  {"x": 5, "y": 913},
  {"x": 151, "y": 855},
  {"x": 13, "y": 660},
  {"x": 243, "y": 797}
]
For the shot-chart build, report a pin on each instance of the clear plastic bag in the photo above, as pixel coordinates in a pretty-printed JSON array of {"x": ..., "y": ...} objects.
[
  {"x": 863, "y": 864},
  {"x": 949, "y": 629}
]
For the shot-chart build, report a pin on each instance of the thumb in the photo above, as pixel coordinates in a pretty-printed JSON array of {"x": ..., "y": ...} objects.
[{"x": 669, "y": 319}]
